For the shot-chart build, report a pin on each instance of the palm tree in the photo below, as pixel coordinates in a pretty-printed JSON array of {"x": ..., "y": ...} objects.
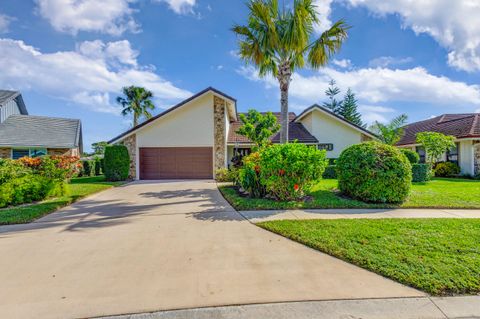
[
  {"x": 278, "y": 42},
  {"x": 138, "y": 101},
  {"x": 392, "y": 132}
]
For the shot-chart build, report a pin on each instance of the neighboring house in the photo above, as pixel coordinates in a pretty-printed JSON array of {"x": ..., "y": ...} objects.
[
  {"x": 198, "y": 136},
  {"x": 465, "y": 128},
  {"x": 22, "y": 134}
]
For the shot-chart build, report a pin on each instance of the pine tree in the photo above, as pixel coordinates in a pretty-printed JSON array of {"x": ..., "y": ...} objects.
[
  {"x": 348, "y": 109},
  {"x": 331, "y": 93}
]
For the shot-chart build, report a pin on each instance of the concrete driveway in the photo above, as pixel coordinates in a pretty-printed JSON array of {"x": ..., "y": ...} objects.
[{"x": 163, "y": 245}]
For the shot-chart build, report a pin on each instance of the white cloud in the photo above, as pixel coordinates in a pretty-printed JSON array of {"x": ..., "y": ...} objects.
[
  {"x": 385, "y": 61},
  {"x": 91, "y": 75},
  {"x": 452, "y": 23},
  {"x": 180, "y": 6},
  {"x": 379, "y": 85},
  {"x": 375, "y": 113},
  {"x": 107, "y": 16},
  {"x": 5, "y": 22},
  {"x": 345, "y": 63},
  {"x": 323, "y": 8}
]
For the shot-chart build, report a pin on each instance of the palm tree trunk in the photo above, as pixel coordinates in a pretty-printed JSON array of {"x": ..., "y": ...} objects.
[
  {"x": 284, "y": 76},
  {"x": 135, "y": 119}
]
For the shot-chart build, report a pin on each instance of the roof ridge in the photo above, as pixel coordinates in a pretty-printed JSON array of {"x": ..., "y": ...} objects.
[
  {"x": 475, "y": 122},
  {"x": 457, "y": 119}
]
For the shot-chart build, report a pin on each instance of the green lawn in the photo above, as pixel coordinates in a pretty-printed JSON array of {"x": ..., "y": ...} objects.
[
  {"x": 438, "y": 193},
  {"x": 439, "y": 256},
  {"x": 77, "y": 189}
]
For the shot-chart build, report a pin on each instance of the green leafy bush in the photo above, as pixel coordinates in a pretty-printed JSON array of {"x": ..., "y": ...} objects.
[
  {"x": 117, "y": 163},
  {"x": 447, "y": 169},
  {"x": 421, "y": 173},
  {"x": 224, "y": 175},
  {"x": 88, "y": 167},
  {"x": 98, "y": 166},
  {"x": 249, "y": 176},
  {"x": 412, "y": 156},
  {"x": 374, "y": 172},
  {"x": 289, "y": 170},
  {"x": 330, "y": 172}
]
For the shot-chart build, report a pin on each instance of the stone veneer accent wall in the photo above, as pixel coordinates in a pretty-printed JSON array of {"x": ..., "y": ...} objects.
[
  {"x": 131, "y": 144},
  {"x": 5, "y": 152},
  {"x": 219, "y": 137}
]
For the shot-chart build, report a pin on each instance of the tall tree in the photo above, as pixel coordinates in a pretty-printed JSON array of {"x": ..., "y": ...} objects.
[
  {"x": 333, "y": 104},
  {"x": 258, "y": 127},
  {"x": 280, "y": 41},
  {"x": 99, "y": 147},
  {"x": 392, "y": 132},
  {"x": 136, "y": 100},
  {"x": 348, "y": 109}
]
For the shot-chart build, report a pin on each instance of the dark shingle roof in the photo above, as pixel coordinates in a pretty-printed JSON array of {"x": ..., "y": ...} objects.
[
  {"x": 296, "y": 131},
  {"x": 459, "y": 125},
  {"x": 40, "y": 131}
]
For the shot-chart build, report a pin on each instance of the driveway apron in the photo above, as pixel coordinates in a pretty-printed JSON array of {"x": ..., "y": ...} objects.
[{"x": 150, "y": 246}]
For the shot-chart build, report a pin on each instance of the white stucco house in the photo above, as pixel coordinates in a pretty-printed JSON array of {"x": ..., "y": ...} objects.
[
  {"x": 465, "y": 128},
  {"x": 198, "y": 136}
]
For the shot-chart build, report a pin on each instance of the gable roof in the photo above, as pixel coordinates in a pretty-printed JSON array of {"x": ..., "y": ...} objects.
[
  {"x": 6, "y": 96},
  {"x": 40, "y": 131},
  {"x": 335, "y": 116},
  {"x": 296, "y": 131},
  {"x": 193, "y": 97},
  {"x": 459, "y": 125}
]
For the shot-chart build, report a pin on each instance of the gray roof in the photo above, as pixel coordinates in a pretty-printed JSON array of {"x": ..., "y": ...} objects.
[
  {"x": 40, "y": 131},
  {"x": 6, "y": 96}
]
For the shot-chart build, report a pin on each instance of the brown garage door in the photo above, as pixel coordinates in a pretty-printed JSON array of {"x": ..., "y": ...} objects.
[{"x": 176, "y": 162}]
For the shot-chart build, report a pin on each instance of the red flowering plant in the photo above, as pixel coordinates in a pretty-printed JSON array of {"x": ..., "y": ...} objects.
[
  {"x": 249, "y": 176},
  {"x": 289, "y": 170}
]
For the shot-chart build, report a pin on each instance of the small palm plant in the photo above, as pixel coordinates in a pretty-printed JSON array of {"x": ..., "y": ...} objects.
[
  {"x": 392, "y": 132},
  {"x": 279, "y": 41},
  {"x": 136, "y": 100}
]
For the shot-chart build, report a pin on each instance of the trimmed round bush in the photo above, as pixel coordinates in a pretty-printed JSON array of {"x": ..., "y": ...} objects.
[
  {"x": 421, "y": 173},
  {"x": 116, "y": 162},
  {"x": 412, "y": 156},
  {"x": 374, "y": 172},
  {"x": 289, "y": 170},
  {"x": 447, "y": 169}
]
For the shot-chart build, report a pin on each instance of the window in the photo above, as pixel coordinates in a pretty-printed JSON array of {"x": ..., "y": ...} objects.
[
  {"x": 32, "y": 152},
  {"x": 452, "y": 154},
  {"x": 325, "y": 146},
  {"x": 421, "y": 152},
  {"x": 16, "y": 154}
]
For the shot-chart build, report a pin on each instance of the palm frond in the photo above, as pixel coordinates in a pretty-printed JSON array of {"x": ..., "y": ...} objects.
[{"x": 327, "y": 44}]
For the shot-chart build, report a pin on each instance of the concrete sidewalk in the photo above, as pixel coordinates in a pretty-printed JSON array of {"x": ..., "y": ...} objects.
[
  {"x": 393, "y": 308},
  {"x": 256, "y": 216}
]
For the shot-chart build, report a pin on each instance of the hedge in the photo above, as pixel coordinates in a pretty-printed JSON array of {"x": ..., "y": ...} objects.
[
  {"x": 88, "y": 168},
  {"x": 421, "y": 173},
  {"x": 374, "y": 172},
  {"x": 447, "y": 169},
  {"x": 117, "y": 163},
  {"x": 98, "y": 166},
  {"x": 412, "y": 156}
]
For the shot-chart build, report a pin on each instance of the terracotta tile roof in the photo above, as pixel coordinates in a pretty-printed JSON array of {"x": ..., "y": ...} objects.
[
  {"x": 296, "y": 132},
  {"x": 459, "y": 125}
]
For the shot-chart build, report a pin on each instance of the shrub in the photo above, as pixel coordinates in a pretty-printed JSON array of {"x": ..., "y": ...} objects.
[
  {"x": 330, "y": 172},
  {"x": 88, "y": 167},
  {"x": 98, "y": 166},
  {"x": 117, "y": 163},
  {"x": 412, "y": 156},
  {"x": 11, "y": 169},
  {"x": 226, "y": 175},
  {"x": 421, "y": 173},
  {"x": 289, "y": 170},
  {"x": 249, "y": 176},
  {"x": 374, "y": 172},
  {"x": 447, "y": 169}
]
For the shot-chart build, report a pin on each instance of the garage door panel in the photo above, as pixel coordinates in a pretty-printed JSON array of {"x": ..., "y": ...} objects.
[{"x": 176, "y": 162}]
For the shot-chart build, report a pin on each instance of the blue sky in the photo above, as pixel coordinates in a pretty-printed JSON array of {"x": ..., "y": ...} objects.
[{"x": 71, "y": 58}]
